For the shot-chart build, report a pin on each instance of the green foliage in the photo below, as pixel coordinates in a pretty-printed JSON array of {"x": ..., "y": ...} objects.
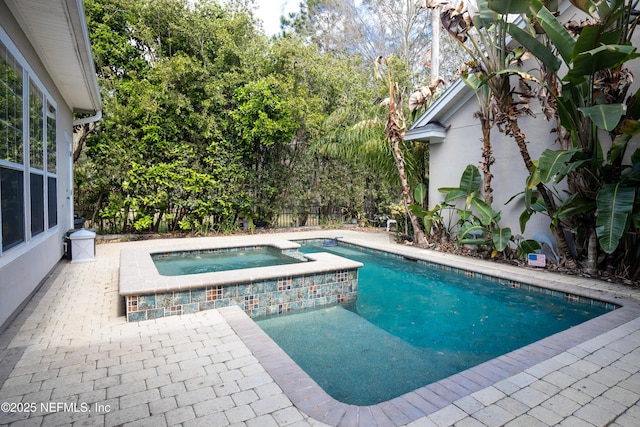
[
  {"x": 603, "y": 184},
  {"x": 615, "y": 204},
  {"x": 206, "y": 118},
  {"x": 527, "y": 247},
  {"x": 479, "y": 223}
]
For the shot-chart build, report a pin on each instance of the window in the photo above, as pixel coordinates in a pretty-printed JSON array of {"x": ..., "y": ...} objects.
[
  {"x": 11, "y": 100},
  {"x": 52, "y": 201},
  {"x": 28, "y": 166},
  {"x": 36, "y": 158},
  {"x": 12, "y": 189},
  {"x": 52, "y": 179},
  {"x": 37, "y": 204},
  {"x": 11, "y": 151}
]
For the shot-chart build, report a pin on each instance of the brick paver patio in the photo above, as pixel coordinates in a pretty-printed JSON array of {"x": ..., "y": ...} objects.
[{"x": 71, "y": 359}]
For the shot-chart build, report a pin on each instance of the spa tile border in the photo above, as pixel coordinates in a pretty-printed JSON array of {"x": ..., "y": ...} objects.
[
  {"x": 139, "y": 276},
  {"x": 256, "y": 298}
]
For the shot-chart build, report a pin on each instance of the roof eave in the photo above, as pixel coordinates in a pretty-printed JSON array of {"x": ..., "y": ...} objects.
[
  {"x": 432, "y": 133},
  {"x": 58, "y": 32}
]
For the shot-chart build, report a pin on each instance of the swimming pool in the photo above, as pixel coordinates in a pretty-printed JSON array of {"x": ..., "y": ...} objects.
[
  {"x": 213, "y": 260},
  {"x": 414, "y": 324}
]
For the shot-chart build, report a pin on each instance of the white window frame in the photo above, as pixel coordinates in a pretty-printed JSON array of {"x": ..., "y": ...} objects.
[{"x": 30, "y": 77}]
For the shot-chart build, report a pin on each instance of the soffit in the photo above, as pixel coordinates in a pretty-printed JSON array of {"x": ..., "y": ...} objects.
[{"x": 58, "y": 32}]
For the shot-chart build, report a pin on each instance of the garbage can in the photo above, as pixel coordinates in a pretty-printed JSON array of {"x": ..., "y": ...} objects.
[{"x": 83, "y": 246}]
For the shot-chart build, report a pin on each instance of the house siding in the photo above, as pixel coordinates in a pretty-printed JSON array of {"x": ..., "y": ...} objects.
[
  {"x": 462, "y": 146},
  {"x": 24, "y": 267}
]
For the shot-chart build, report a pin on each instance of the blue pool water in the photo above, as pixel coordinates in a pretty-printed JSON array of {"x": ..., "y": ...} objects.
[
  {"x": 196, "y": 262},
  {"x": 413, "y": 325}
]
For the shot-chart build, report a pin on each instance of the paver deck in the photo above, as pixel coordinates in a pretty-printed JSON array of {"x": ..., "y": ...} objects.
[{"x": 70, "y": 358}]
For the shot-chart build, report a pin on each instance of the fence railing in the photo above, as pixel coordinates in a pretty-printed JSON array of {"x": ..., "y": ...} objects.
[
  {"x": 310, "y": 216},
  {"x": 294, "y": 216}
]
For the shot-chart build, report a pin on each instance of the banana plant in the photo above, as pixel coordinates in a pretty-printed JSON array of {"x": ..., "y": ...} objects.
[
  {"x": 603, "y": 200},
  {"x": 479, "y": 222},
  {"x": 495, "y": 63}
]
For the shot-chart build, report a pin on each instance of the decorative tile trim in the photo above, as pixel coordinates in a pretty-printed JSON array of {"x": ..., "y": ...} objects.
[
  {"x": 214, "y": 293},
  {"x": 275, "y": 296},
  {"x": 467, "y": 273},
  {"x": 132, "y": 304}
]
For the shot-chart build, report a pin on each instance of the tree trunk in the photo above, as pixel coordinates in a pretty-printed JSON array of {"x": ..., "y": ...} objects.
[
  {"x": 513, "y": 129},
  {"x": 592, "y": 254},
  {"x": 487, "y": 158},
  {"x": 80, "y": 135},
  {"x": 418, "y": 234},
  {"x": 394, "y": 132}
]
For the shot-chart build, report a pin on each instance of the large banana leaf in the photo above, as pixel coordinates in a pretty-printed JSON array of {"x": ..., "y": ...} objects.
[
  {"x": 600, "y": 58},
  {"x": 553, "y": 161},
  {"x": 418, "y": 211},
  {"x": 614, "y": 204},
  {"x": 593, "y": 36},
  {"x": 472, "y": 235},
  {"x": 420, "y": 193},
  {"x": 506, "y": 7},
  {"x": 486, "y": 213},
  {"x": 575, "y": 205},
  {"x": 501, "y": 238},
  {"x": 605, "y": 116},
  {"x": 539, "y": 50},
  {"x": 561, "y": 38},
  {"x": 628, "y": 130},
  {"x": 452, "y": 194},
  {"x": 485, "y": 16},
  {"x": 471, "y": 180}
]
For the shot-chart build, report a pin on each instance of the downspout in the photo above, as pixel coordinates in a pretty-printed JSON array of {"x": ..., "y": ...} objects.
[
  {"x": 78, "y": 122},
  {"x": 97, "y": 116}
]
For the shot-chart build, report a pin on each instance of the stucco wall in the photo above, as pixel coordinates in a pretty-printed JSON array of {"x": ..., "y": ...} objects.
[
  {"x": 462, "y": 146},
  {"x": 24, "y": 267}
]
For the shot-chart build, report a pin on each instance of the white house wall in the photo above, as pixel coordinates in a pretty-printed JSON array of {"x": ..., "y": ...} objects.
[
  {"x": 462, "y": 146},
  {"x": 24, "y": 267}
]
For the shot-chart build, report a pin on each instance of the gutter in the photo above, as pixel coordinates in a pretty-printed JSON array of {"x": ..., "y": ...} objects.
[{"x": 97, "y": 116}]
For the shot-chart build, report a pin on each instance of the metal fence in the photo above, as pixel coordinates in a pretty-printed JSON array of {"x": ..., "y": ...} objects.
[
  {"x": 291, "y": 216},
  {"x": 309, "y": 216}
]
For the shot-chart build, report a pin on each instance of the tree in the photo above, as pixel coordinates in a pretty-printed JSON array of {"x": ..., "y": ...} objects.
[
  {"x": 603, "y": 202},
  {"x": 207, "y": 119},
  {"x": 491, "y": 70},
  {"x": 394, "y": 134}
]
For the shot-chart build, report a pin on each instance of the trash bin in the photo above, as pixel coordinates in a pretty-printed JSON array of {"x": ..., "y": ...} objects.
[{"x": 83, "y": 246}]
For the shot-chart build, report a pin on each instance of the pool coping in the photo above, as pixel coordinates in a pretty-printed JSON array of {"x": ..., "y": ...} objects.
[
  {"x": 310, "y": 398},
  {"x": 139, "y": 276}
]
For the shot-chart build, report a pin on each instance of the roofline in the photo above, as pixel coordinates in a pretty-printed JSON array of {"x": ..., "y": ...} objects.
[
  {"x": 432, "y": 132},
  {"x": 75, "y": 25},
  {"x": 76, "y": 13},
  {"x": 455, "y": 96},
  {"x": 447, "y": 101}
]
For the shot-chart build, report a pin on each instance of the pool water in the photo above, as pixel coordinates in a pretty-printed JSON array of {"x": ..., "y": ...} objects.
[
  {"x": 196, "y": 262},
  {"x": 413, "y": 325}
]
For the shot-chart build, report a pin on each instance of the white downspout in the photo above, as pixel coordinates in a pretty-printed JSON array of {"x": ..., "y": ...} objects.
[
  {"x": 70, "y": 196},
  {"x": 97, "y": 116}
]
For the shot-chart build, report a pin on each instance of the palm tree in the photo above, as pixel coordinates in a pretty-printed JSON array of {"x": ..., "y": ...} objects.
[
  {"x": 394, "y": 133},
  {"x": 489, "y": 74}
]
